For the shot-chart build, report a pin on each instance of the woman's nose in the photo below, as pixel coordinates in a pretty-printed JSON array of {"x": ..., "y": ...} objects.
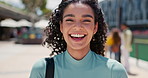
[{"x": 78, "y": 26}]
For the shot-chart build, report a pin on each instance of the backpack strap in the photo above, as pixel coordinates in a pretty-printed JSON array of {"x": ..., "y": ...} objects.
[{"x": 49, "y": 68}]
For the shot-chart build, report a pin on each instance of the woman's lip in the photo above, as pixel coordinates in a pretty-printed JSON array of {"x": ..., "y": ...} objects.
[{"x": 77, "y": 38}]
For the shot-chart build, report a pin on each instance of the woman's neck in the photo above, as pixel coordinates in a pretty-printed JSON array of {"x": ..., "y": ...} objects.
[{"x": 78, "y": 54}]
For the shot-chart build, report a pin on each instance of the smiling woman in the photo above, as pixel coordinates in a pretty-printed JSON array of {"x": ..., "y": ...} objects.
[
  {"x": 78, "y": 27},
  {"x": 70, "y": 18},
  {"x": 77, "y": 34}
]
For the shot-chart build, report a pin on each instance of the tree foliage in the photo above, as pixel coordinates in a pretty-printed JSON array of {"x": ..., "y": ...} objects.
[{"x": 34, "y": 5}]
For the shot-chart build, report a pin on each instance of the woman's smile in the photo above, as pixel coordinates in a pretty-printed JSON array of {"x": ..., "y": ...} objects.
[{"x": 77, "y": 37}]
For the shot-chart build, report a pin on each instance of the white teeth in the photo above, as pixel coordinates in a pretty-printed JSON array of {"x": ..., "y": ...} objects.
[{"x": 77, "y": 35}]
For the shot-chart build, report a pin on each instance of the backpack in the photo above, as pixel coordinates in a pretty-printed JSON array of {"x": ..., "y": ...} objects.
[{"x": 49, "y": 68}]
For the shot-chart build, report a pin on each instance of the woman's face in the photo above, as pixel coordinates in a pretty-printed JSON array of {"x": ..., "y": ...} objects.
[{"x": 78, "y": 26}]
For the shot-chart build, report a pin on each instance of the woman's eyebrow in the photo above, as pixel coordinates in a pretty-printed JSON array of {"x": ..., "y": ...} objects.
[
  {"x": 87, "y": 15},
  {"x": 69, "y": 15}
]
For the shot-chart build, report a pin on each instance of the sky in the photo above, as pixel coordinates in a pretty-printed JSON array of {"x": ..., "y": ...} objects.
[
  {"x": 16, "y": 3},
  {"x": 51, "y": 4}
]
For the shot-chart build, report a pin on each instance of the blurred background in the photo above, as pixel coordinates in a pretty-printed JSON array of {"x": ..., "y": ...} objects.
[{"x": 22, "y": 23}]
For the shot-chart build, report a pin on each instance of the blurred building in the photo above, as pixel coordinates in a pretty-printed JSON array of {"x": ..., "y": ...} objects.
[
  {"x": 15, "y": 23},
  {"x": 135, "y": 14},
  {"x": 11, "y": 12}
]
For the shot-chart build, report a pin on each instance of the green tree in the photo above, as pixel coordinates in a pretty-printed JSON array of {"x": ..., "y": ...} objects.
[{"x": 34, "y": 5}]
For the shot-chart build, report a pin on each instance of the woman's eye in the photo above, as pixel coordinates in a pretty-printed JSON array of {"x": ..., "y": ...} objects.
[
  {"x": 69, "y": 20},
  {"x": 86, "y": 21}
]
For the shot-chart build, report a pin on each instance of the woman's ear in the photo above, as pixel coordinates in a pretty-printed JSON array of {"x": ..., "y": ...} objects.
[
  {"x": 96, "y": 28},
  {"x": 61, "y": 27}
]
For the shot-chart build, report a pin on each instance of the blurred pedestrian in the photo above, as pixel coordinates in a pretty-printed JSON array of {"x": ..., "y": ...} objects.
[
  {"x": 115, "y": 47},
  {"x": 77, "y": 35},
  {"x": 126, "y": 47},
  {"x": 114, "y": 43}
]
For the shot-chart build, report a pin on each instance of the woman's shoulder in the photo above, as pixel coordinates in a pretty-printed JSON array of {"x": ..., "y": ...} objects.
[
  {"x": 112, "y": 64},
  {"x": 116, "y": 68},
  {"x": 38, "y": 69},
  {"x": 41, "y": 63}
]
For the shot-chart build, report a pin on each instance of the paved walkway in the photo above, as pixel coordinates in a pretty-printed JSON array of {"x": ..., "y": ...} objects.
[
  {"x": 16, "y": 60},
  {"x": 139, "y": 68}
]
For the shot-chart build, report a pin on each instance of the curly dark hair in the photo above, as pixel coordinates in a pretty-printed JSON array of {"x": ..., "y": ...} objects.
[{"x": 55, "y": 38}]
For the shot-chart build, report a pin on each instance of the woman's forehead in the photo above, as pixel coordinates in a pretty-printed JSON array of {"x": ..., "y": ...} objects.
[
  {"x": 78, "y": 8},
  {"x": 79, "y": 5}
]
